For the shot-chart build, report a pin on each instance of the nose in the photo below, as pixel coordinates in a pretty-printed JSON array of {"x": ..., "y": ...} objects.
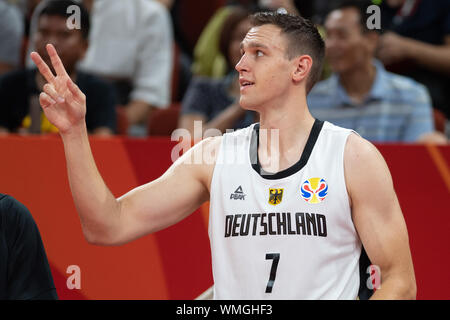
[{"x": 242, "y": 65}]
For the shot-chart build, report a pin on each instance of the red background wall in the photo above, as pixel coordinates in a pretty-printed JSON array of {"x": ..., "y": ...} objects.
[{"x": 176, "y": 263}]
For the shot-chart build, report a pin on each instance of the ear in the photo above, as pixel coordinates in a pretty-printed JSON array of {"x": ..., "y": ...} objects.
[{"x": 302, "y": 68}]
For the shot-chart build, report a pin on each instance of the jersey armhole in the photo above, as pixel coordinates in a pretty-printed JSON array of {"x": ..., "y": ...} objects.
[
  {"x": 213, "y": 182},
  {"x": 343, "y": 169}
]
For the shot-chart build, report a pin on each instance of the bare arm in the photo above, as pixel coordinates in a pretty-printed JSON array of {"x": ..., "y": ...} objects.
[
  {"x": 187, "y": 121},
  {"x": 104, "y": 219},
  {"x": 378, "y": 219},
  {"x": 227, "y": 118},
  {"x": 393, "y": 48},
  {"x": 143, "y": 210},
  {"x": 138, "y": 112}
]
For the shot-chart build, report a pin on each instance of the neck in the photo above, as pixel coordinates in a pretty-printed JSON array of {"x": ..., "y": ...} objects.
[
  {"x": 283, "y": 134},
  {"x": 358, "y": 81}
]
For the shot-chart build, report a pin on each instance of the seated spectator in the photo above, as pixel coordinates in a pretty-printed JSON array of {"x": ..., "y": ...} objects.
[
  {"x": 208, "y": 60},
  {"x": 215, "y": 102},
  {"x": 24, "y": 269},
  {"x": 361, "y": 94},
  {"x": 19, "y": 90},
  {"x": 11, "y": 36},
  {"x": 131, "y": 46},
  {"x": 181, "y": 72},
  {"x": 416, "y": 43}
]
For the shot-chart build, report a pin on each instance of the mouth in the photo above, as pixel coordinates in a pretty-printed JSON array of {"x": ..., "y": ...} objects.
[{"x": 245, "y": 84}]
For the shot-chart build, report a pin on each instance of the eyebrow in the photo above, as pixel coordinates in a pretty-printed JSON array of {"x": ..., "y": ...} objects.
[{"x": 253, "y": 45}]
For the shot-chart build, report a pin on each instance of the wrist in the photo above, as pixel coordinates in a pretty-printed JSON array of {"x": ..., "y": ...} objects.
[{"x": 74, "y": 132}]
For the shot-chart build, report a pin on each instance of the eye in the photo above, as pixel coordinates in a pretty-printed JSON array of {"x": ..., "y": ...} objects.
[{"x": 259, "y": 53}]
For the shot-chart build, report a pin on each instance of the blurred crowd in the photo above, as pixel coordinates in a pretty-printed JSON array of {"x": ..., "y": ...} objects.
[{"x": 148, "y": 67}]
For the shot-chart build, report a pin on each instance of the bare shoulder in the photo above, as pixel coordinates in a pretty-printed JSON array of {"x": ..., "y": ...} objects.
[
  {"x": 358, "y": 148},
  {"x": 364, "y": 166},
  {"x": 360, "y": 153}
]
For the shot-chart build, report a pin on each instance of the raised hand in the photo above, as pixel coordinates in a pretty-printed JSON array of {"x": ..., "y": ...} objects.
[
  {"x": 63, "y": 102},
  {"x": 392, "y": 48}
]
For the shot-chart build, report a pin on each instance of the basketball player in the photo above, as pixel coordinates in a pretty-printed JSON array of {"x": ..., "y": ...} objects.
[{"x": 287, "y": 220}]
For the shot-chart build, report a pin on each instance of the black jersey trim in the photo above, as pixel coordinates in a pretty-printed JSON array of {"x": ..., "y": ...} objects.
[
  {"x": 310, "y": 143},
  {"x": 364, "y": 293}
]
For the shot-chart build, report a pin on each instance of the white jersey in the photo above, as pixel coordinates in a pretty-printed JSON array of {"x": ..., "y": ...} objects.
[{"x": 288, "y": 235}]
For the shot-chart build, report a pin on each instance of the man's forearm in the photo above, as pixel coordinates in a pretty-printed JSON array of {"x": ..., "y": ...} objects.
[
  {"x": 434, "y": 57},
  {"x": 137, "y": 112},
  {"x": 226, "y": 119},
  {"x": 98, "y": 209}
]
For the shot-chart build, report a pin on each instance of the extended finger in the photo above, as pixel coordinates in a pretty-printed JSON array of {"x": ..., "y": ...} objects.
[
  {"x": 56, "y": 61},
  {"x": 75, "y": 91},
  {"x": 43, "y": 67},
  {"x": 45, "y": 100},
  {"x": 50, "y": 91}
]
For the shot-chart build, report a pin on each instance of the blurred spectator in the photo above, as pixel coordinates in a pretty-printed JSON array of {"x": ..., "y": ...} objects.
[
  {"x": 131, "y": 45},
  {"x": 215, "y": 102},
  {"x": 24, "y": 268},
  {"x": 321, "y": 8},
  {"x": 28, "y": 7},
  {"x": 208, "y": 60},
  {"x": 11, "y": 36},
  {"x": 417, "y": 44},
  {"x": 181, "y": 72},
  {"x": 361, "y": 94},
  {"x": 19, "y": 90},
  {"x": 189, "y": 20}
]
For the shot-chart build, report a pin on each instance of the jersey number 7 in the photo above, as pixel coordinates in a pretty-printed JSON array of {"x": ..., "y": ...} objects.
[{"x": 273, "y": 271}]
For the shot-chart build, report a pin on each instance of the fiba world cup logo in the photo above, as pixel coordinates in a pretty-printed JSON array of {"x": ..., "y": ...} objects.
[{"x": 314, "y": 190}]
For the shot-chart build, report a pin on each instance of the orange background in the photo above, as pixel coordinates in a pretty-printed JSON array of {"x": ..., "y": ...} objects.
[{"x": 175, "y": 263}]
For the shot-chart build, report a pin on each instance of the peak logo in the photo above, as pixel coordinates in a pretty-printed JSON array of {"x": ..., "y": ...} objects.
[
  {"x": 314, "y": 190},
  {"x": 238, "y": 194}
]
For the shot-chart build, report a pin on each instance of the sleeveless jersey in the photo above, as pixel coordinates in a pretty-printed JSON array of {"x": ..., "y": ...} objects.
[{"x": 288, "y": 235}]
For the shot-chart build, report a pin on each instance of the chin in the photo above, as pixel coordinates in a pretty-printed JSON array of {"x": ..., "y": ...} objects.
[{"x": 248, "y": 105}]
